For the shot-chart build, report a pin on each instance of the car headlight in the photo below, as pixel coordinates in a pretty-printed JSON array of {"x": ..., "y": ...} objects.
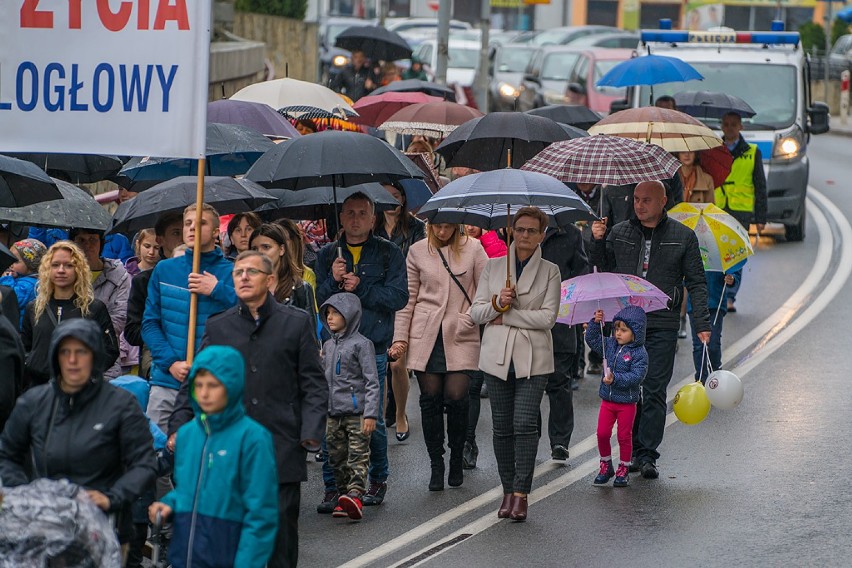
[
  {"x": 554, "y": 98},
  {"x": 789, "y": 146},
  {"x": 340, "y": 61},
  {"x": 508, "y": 91}
]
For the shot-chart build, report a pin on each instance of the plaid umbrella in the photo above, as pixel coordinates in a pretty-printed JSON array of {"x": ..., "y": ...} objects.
[
  {"x": 672, "y": 130},
  {"x": 609, "y": 160}
]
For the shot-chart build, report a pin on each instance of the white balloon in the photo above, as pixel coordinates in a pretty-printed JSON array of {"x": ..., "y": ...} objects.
[{"x": 724, "y": 389}]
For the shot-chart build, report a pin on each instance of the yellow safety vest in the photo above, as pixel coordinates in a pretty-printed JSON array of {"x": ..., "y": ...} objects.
[{"x": 737, "y": 193}]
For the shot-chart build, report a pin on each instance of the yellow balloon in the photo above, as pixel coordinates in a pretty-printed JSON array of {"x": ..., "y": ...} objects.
[{"x": 691, "y": 404}]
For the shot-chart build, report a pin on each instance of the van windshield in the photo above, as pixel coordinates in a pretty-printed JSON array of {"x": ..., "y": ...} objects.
[{"x": 771, "y": 90}]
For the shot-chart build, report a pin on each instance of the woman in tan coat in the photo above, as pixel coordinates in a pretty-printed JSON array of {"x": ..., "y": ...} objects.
[
  {"x": 517, "y": 352},
  {"x": 440, "y": 340},
  {"x": 698, "y": 186}
]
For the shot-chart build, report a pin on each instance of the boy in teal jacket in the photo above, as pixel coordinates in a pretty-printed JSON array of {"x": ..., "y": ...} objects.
[{"x": 225, "y": 501}]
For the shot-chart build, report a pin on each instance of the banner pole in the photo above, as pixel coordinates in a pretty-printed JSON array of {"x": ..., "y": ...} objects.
[{"x": 196, "y": 262}]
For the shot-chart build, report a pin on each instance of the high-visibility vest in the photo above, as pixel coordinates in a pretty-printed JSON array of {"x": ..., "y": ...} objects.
[{"x": 737, "y": 193}]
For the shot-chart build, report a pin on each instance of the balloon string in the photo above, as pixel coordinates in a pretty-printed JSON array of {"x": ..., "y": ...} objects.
[{"x": 719, "y": 307}]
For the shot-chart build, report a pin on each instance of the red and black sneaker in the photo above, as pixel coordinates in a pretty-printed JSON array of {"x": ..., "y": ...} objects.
[{"x": 351, "y": 503}]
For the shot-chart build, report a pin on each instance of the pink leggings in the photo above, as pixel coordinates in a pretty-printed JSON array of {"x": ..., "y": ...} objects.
[{"x": 610, "y": 413}]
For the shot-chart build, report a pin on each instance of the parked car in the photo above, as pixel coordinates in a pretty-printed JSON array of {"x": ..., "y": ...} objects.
[
  {"x": 622, "y": 40},
  {"x": 839, "y": 59},
  {"x": 462, "y": 60},
  {"x": 404, "y": 25},
  {"x": 591, "y": 65},
  {"x": 566, "y": 35},
  {"x": 507, "y": 64},
  {"x": 546, "y": 77},
  {"x": 333, "y": 59}
]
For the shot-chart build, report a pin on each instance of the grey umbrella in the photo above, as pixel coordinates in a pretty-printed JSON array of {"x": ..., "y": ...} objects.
[{"x": 77, "y": 208}]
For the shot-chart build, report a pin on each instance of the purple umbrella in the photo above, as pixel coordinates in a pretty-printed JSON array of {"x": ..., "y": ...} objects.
[
  {"x": 582, "y": 296},
  {"x": 257, "y": 116}
]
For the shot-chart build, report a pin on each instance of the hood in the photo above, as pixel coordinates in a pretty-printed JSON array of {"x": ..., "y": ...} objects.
[
  {"x": 635, "y": 318},
  {"x": 136, "y": 386},
  {"x": 347, "y": 304},
  {"x": 89, "y": 334},
  {"x": 228, "y": 366}
]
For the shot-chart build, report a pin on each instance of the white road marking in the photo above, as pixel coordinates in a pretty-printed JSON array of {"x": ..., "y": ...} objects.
[{"x": 778, "y": 319}]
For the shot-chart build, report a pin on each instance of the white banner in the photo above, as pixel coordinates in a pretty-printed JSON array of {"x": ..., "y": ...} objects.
[{"x": 126, "y": 77}]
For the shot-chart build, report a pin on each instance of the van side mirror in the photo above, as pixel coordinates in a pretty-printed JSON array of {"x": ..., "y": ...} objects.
[
  {"x": 818, "y": 118},
  {"x": 620, "y": 104}
]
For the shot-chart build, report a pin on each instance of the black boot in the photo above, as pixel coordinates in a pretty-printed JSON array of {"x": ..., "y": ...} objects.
[
  {"x": 457, "y": 412},
  {"x": 432, "y": 415}
]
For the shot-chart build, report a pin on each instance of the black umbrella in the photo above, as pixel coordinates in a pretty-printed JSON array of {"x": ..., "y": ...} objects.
[
  {"x": 7, "y": 259},
  {"x": 227, "y": 195},
  {"x": 573, "y": 115},
  {"x": 231, "y": 150},
  {"x": 332, "y": 158},
  {"x": 22, "y": 183},
  {"x": 319, "y": 202},
  {"x": 706, "y": 104},
  {"x": 418, "y": 86},
  {"x": 489, "y": 142},
  {"x": 75, "y": 168},
  {"x": 377, "y": 43},
  {"x": 77, "y": 208}
]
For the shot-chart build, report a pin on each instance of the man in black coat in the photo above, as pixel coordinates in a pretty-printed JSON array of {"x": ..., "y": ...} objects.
[
  {"x": 357, "y": 79},
  {"x": 285, "y": 389},
  {"x": 617, "y": 200},
  {"x": 12, "y": 365},
  {"x": 665, "y": 253},
  {"x": 9, "y": 306},
  {"x": 564, "y": 248}
]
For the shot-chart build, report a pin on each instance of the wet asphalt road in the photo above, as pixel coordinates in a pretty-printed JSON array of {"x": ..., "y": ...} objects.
[{"x": 766, "y": 483}]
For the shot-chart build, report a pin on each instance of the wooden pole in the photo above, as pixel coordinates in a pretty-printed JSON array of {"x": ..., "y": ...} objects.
[{"x": 196, "y": 261}]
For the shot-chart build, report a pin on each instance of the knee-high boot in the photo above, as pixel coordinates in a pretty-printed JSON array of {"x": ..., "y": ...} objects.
[
  {"x": 432, "y": 414},
  {"x": 457, "y": 416}
]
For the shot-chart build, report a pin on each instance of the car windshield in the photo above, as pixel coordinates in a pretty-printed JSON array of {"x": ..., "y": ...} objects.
[
  {"x": 771, "y": 90},
  {"x": 557, "y": 66},
  {"x": 513, "y": 60},
  {"x": 550, "y": 36},
  {"x": 463, "y": 58},
  {"x": 601, "y": 69}
]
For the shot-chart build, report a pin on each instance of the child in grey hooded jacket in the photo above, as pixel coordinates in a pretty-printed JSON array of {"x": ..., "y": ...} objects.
[{"x": 349, "y": 360}]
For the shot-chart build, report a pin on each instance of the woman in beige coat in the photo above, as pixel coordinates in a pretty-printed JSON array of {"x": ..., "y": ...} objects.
[
  {"x": 517, "y": 352},
  {"x": 440, "y": 339},
  {"x": 698, "y": 186}
]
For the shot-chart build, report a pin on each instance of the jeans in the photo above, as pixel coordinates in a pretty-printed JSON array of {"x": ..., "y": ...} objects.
[
  {"x": 651, "y": 412},
  {"x": 379, "y": 467},
  {"x": 714, "y": 348}
]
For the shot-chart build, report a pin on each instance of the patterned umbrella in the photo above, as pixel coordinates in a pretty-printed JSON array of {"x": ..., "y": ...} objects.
[
  {"x": 608, "y": 160},
  {"x": 723, "y": 242},
  {"x": 671, "y": 130},
  {"x": 430, "y": 119},
  {"x": 607, "y": 291}
]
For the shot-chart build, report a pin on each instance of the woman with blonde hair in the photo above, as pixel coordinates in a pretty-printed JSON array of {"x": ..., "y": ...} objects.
[
  {"x": 441, "y": 340},
  {"x": 64, "y": 292}
]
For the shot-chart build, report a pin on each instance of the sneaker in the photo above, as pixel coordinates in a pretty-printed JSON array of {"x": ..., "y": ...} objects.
[
  {"x": 329, "y": 502},
  {"x": 594, "y": 369},
  {"x": 622, "y": 478},
  {"x": 318, "y": 457},
  {"x": 559, "y": 452},
  {"x": 634, "y": 467},
  {"x": 351, "y": 504},
  {"x": 339, "y": 513},
  {"x": 606, "y": 473},
  {"x": 649, "y": 470},
  {"x": 375, "y": 494}
]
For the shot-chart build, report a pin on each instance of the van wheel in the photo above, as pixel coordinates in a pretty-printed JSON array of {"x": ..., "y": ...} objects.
[{"x": 796, "y": 233}]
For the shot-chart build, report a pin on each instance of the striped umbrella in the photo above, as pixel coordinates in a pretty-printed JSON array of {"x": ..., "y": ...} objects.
[{"x": 671, "y": 130}]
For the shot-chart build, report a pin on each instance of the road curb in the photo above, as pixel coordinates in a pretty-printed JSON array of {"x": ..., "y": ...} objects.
[{"x": 839, "y": 132}]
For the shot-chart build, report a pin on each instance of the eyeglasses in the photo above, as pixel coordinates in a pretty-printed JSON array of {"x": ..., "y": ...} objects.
[
  {"x": 238, "y": 273},
  {"x": 531, "y": 231}
]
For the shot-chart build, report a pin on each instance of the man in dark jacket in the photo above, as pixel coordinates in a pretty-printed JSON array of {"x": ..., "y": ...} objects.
[
  {"x": 80, "y": 428},
  {"x": 9, "y": 305},
  {"x": 617, "y": 200},
  {"x": 374, "y": 270},
  {"x": 665, "y": 253},
  {"x": 564, "y": 248},
  {"x": 12, "y": 365},
  {"x": 285, "y": 388},
  {"x": 356, "y": 79}
]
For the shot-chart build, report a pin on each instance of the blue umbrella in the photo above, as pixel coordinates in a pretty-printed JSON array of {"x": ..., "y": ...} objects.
[
  {"x": 845, "y": 15},
  {"x": 649, "y": 70}
]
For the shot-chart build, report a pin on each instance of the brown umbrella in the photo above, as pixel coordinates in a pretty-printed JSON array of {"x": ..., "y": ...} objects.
[
  {"x": 433, "y": 119},
  {"x": 672, "y": 130}
]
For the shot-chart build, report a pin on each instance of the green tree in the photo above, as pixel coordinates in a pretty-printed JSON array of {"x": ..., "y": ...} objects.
[
  {"x": 838, "y": 28},
  {"x": 285, "y": 8},
  {"x": 813, "y": 35}
]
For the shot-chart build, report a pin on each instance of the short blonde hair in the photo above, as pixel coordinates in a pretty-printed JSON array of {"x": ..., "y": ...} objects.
[{"x": 205, "y": 208}]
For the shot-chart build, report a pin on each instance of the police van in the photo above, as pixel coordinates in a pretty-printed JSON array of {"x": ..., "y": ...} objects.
[{"x": 770, "y": 71}]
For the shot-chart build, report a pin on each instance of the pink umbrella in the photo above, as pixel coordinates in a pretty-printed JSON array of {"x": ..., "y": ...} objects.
[
  {"x": 582, "y": 296},
  {"x": 373, "y": 110}
]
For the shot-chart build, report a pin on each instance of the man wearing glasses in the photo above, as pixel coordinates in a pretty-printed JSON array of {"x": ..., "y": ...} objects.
[{"x": 285, "y": 388}]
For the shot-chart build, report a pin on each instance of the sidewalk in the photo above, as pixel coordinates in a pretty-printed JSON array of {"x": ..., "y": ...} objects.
[{"x": 839, "y": 129}]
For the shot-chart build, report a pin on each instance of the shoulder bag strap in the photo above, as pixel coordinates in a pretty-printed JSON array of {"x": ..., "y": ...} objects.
[{"x": 453, "y": 276}]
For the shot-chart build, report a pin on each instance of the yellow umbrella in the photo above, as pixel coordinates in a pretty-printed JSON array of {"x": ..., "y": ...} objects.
[{"x": 723, "y": 242}]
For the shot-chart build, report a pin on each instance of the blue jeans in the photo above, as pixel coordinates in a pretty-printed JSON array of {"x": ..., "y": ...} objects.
[
  {"x": 379, "y": 467},
  {"x": 714, "y": 349}
]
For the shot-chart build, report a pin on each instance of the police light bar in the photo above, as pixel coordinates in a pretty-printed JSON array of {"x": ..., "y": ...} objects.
[{"x": 684, "y": 36}]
